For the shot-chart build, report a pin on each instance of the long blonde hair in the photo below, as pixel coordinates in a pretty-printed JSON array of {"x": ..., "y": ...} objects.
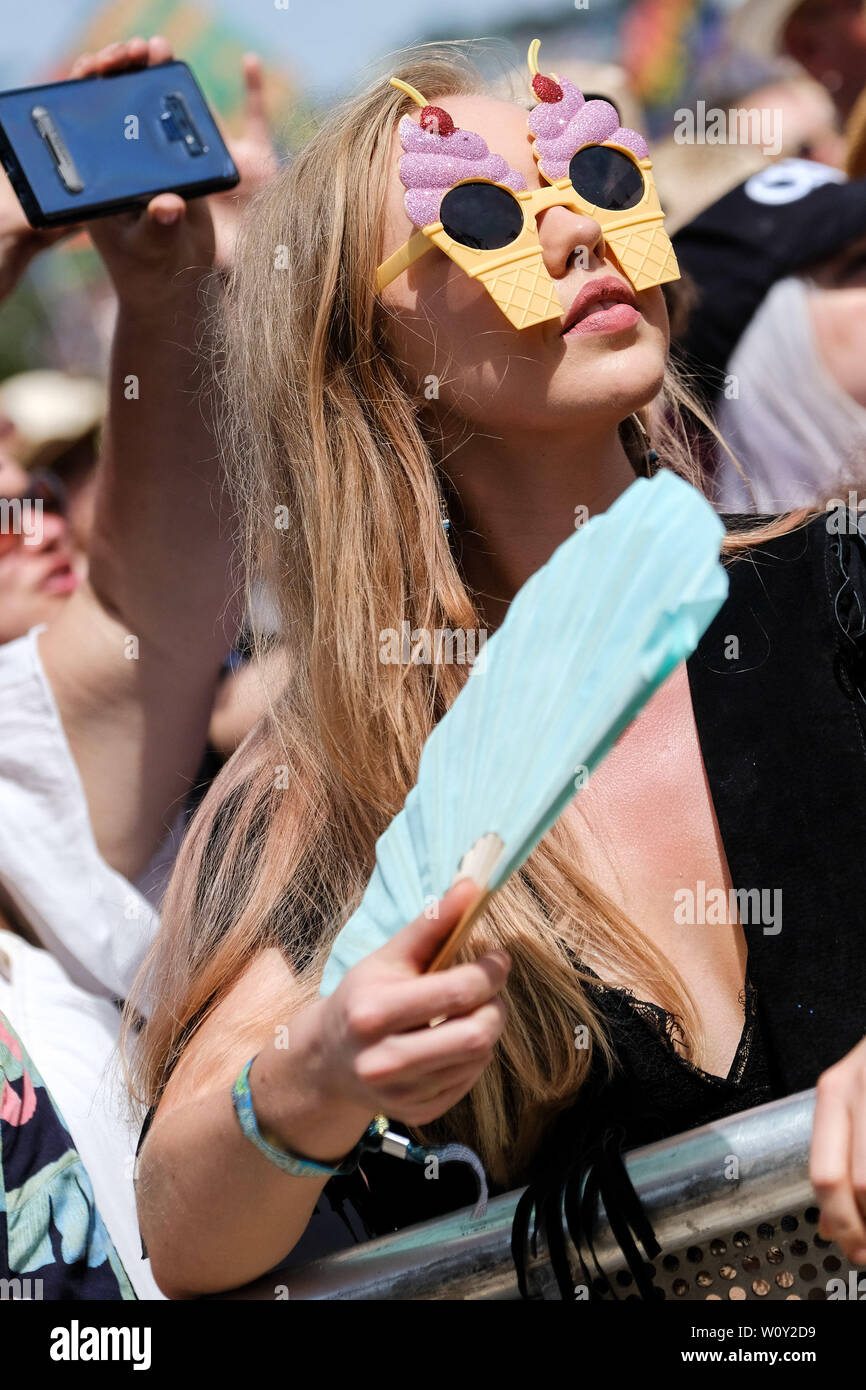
[{"x": 325, "y": 438}]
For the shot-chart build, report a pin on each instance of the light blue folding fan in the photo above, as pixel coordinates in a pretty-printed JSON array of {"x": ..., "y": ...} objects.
[{"x": 584, "y": 645}]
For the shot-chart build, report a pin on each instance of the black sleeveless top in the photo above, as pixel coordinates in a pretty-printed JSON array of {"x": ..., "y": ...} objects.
[{"x": 778, "y": 686}]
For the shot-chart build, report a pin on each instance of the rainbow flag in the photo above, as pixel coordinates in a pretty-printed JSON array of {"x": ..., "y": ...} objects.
[{"x": 656, "y": 41}]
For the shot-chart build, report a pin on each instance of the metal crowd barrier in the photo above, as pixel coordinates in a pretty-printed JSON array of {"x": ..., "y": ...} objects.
[{"x": 731, "y": 1205}]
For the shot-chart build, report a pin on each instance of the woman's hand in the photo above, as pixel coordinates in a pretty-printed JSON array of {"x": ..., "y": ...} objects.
[
  {"x": 129, "y": 242},
  {"x": 150, "y": 253},
  {"x": 170, "y": 240},
  {"x": 837, "y": 1165},
  {"x": 376, "y": 1046},
  {"x": 19, "y": 242}
]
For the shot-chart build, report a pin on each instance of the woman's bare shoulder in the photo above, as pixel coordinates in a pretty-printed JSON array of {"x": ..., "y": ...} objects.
[{"x": 260, "y": 1003}]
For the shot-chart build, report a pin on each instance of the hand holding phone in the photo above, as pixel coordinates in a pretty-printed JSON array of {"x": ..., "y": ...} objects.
[{"x": 99, "y": 144}]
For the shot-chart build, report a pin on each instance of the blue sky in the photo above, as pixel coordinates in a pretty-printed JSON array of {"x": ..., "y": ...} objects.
[{"x": 330, "y": 39}]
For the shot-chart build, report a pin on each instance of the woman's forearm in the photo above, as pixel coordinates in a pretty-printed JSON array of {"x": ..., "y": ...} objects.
[
  {"x": 162, "y": 547},
  {"x": 134, "y": 658},
  {"x": 214, "y": 1212}
]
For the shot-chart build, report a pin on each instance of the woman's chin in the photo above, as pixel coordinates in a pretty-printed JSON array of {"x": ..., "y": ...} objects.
[{"x": 618, "y": 382}]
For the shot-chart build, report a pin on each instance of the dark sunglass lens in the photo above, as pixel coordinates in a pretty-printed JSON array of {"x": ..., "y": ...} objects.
[
  {"x": 481, "y": 216},
  {"x": 49, "y": 490},
  {"x": 606, "y": 178}
]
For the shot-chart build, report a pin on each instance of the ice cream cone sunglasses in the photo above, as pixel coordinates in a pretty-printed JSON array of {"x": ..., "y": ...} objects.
[{"x": 486, "y": 220}]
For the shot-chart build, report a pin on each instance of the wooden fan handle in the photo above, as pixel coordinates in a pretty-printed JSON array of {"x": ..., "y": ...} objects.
[{"x": 449, "y": 948}]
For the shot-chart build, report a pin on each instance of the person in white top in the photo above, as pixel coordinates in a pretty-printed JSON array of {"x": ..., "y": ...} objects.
[{"x": 107, "y": 679}]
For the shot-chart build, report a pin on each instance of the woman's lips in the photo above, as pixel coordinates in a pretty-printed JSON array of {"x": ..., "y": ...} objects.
[
  {"x": 61, "y": 580},
  {"x": 606, "y": 316}
]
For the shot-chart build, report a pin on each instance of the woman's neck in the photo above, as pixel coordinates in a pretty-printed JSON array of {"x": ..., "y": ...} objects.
[{"x": 517, "y": 500}]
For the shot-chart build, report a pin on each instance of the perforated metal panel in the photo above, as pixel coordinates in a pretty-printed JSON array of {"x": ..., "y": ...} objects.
[{"x": 771, "y": 1260}]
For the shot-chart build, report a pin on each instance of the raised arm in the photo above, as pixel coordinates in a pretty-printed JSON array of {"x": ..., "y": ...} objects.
[{"x": 134, "y": 659}]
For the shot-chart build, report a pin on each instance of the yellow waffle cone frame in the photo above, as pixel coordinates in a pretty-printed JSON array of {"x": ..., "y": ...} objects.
[
  {"x": 524, "y": 291},
  {"x": 515, "y": 277},
  {"x": 638, "y": 239},
  {"x": 645, "y": 254}
]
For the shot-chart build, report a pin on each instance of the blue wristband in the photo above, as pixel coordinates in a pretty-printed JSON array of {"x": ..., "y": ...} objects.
[{"x": 295, "y": 1164}]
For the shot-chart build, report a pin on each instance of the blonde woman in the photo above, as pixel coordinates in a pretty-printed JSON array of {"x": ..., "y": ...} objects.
[{"x": 355, "y": 414}]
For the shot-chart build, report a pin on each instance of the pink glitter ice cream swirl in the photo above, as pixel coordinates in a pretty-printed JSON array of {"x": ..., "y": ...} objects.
[
  {"x": 433, "y": 163},
  {"x": 561, "y": 127}
]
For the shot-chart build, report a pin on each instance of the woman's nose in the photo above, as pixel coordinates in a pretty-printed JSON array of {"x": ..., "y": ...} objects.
[
  {"x": 52, "y": 530},
  {"x": 566, "y": 236}
]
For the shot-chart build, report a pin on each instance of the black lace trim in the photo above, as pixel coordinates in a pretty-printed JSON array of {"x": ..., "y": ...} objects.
[{"x": 668, "y": 1028}]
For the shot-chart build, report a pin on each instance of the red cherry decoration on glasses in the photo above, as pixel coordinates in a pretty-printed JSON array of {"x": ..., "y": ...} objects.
[
  {"x": 545, "y": 88},
  {"x": 433, "y": 118}
]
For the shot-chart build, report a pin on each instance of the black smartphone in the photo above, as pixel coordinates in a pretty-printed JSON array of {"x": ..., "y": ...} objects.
[{"x": 96, "y": 145}]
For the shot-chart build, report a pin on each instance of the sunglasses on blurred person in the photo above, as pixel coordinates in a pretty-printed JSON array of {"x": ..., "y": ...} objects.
[{"x": 44, "y": 493}]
